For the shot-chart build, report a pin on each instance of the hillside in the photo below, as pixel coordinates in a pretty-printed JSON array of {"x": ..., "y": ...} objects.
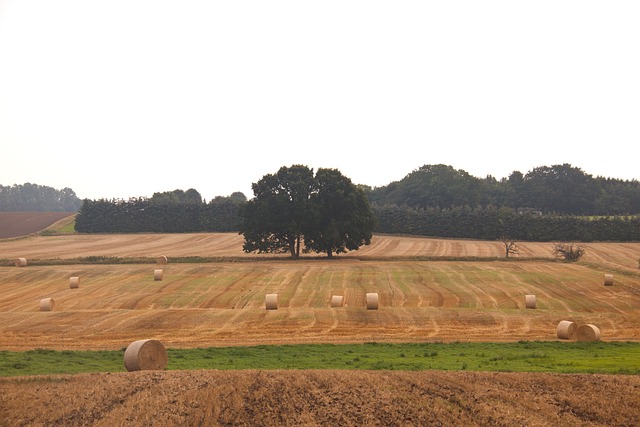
[
  {"x": 15, "y": 224},
  {"x": 220, "y": 302}
]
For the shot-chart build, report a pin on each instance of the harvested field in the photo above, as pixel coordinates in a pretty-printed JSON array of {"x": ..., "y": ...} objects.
[
  {"x": 221, "y": 303},
  {"x": 229, "y": 245},
  {"x": 320, "y": 398}
]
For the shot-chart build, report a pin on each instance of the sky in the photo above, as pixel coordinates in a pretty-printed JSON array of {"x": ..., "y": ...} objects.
[{"x": 119, "y": 99}]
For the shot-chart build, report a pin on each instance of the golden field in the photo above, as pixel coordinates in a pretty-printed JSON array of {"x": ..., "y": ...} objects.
[{"x": 431, "y": 290}]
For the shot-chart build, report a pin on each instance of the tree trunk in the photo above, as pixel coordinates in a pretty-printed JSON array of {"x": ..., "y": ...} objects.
[{"x": 329, "y": 253}]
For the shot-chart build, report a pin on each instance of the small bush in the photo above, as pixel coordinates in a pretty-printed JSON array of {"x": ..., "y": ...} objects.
[{"x": 568, "y": 251}]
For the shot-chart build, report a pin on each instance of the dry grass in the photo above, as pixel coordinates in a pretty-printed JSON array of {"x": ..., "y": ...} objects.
[
  {"x": 222, "y": 304},
  {"x": 229, "y": 245},
  {"x": 219, "y": 304}
]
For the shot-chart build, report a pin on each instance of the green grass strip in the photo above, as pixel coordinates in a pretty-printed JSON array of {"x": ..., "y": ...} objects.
[{"x": 523, "y": 356}]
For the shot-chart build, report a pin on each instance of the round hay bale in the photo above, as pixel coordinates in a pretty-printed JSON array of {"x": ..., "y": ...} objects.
[
  {"x": 74, "y": 282},
  {"x": 271, "y": 301},
  {"x": 21, "y": 262},
  {"x": 530, "y": 301},
  {"x": 47, "y": 304},
  {"x": 145, "y": 355},
  {"x": 588, "y": 333},
  {"x": 162, "y": 260},
  {"x": 157, "y": 274},
  {"x": 608, "y": 279},
  {"x": 372, "y": 301},
  {"x": 337, "y": 300},
  {"x": 566, "y": 330}
]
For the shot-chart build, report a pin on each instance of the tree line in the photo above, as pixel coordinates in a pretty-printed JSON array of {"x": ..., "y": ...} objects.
[
  {"x": 37, "y": 198},
  {"x": 492, "y": 223},
  {"x": 557, "y": 203},
  {"x": 223, "y": 214},
  {"x": 324, "y": 212},
  {"x": 558, "y": 189},
  {"x": 168, "y": 212}
]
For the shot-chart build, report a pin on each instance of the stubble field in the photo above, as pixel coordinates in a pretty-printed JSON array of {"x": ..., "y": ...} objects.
[{"x": 221, "y": 303}]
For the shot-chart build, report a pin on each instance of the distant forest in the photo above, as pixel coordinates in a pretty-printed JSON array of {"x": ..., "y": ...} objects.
[
  {"x": 38, "y": 198},
  {"x": 556, "y": 203},
  {"x": 559, "y": 202},
  {"x": 560, "y": 189},
  {"x": 175, "y": 211}
]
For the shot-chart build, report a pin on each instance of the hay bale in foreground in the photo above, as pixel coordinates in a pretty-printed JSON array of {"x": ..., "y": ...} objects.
[
  {"x": 608, "y": 279},
  {"x": 372, "y": 301},
  {"x": 21, "y": 262},
  {"x": 162, "y": 260},
  {"x": 588, "y": 333},
  {"x": 530, "y": 301},
  {"x": 157, "y": 274},
  {"x": 271, "y": 301},
  {"x": 74, "y": 282},
  {"x": 47, "y": 304},
  {"x": 566, "y": 330},
  {"x": 337, "y": 301},
  {"x": 145, "y": 355}
]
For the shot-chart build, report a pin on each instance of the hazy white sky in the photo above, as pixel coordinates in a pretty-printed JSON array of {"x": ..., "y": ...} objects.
[{"x": 121, "y": 99}]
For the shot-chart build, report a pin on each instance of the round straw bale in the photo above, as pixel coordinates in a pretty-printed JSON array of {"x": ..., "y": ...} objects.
[
  {"x": 145, "y": 355},
  {"x": 46, "y": 304},
  {"x": 337, "y": 301},
  {"x": 608, "y": 279},
  {"x": 162, "y": 260},
  {"x": 21, "y": 262},
  {"x": 530, "y": 301},
  {"x": 372, "y": 301},
  {"x": 74, "y": 282},
  {"x": 566, "y": 330},
  {"x": 271, "y": 301},
  {"x": 157, "y": 274},
  {"x": 588, "y": 333}
]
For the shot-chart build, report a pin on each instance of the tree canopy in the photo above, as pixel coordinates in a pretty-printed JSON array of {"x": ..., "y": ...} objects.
[
  {"x": 326, "y": 211},
  {"x": 275, "y": 219},
  {"x": 38, "y": 198},
  {"x": 172, "y": 212},
  {"x": 177, "y": 196},
  {"x": 560, "y": 189}
]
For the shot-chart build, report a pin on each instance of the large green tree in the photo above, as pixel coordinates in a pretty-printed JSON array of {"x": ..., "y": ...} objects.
[
  {"x": 327, "y": 211},
  {"x": 431, "y": 186},
  {"x": 341, "y": 218},
  {"x": 275, "y": 219},
  {"x": 561, "y": 188}
]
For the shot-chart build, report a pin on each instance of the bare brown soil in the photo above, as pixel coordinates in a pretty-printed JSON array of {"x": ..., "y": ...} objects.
[
  {"x": 320, "y": 398},
  {"x": 222, "y": 304},
  {"x": 15, "y": 224}
]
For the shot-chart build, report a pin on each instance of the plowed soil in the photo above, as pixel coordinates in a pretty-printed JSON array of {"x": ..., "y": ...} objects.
[
  {"x": 14, "y": 224},
  {"x": 320, "y": 398},
  {"x": 222, "y": 304}
]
